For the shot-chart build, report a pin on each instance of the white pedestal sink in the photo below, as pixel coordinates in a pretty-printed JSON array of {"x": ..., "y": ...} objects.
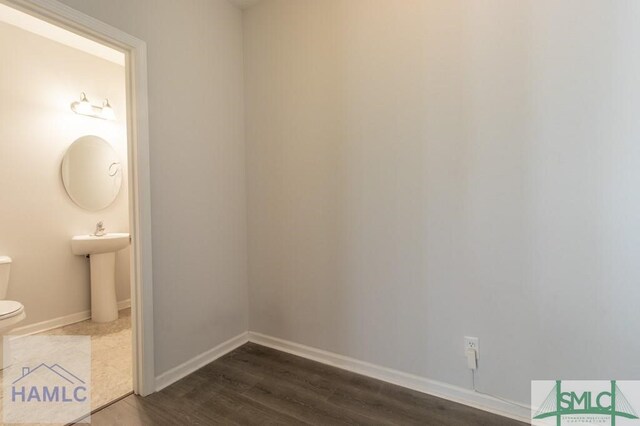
[{"x": 102, "y": 255}]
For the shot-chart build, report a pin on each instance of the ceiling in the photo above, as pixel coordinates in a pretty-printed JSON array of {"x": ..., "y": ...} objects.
[
  {"x": 37, "y": 26},
  {"x": 243, "y": 4}
]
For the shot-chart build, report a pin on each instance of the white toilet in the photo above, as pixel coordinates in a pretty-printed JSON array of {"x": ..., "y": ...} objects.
[{"x": 11, "y": 312}]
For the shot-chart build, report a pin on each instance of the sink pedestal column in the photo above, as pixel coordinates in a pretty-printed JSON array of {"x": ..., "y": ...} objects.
[{"x": 104, "y": 306}]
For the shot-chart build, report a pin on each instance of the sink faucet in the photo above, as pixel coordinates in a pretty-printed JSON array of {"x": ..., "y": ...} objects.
[{"x": 100, "y": 230}]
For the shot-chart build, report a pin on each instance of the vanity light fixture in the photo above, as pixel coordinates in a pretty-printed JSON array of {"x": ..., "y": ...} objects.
[{"x": 84, "y": 107}]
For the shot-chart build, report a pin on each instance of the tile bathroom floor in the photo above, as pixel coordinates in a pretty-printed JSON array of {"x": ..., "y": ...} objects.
[{"x": 111, "y": 356}]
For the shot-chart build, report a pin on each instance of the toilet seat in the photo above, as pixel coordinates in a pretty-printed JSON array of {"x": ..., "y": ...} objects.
[{"x": 10, "y": 308}]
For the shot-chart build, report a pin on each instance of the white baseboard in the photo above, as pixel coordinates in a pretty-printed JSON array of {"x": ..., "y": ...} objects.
[
  {"x": 199, "y": 361},
  {"x": 421, "y": 384},
  {"x": 442, "y": 390},
  {"x": 47, "y": 325},
  {"x": 124, "y": 304}
]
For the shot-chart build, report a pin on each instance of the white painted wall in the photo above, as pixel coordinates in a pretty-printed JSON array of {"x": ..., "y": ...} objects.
[
  {"x": 421, "y": 170},
  {"x": 197, "y": 156},
  {"x": 39, "y": 79}
]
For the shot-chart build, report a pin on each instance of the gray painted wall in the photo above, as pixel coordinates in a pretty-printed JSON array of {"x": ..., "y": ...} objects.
[
  {"x": 421, "y": 170},
  {"x": 197, "y": 168}
]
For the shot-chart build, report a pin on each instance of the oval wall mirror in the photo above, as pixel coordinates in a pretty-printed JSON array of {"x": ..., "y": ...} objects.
[{"x": 92, "y": 173}]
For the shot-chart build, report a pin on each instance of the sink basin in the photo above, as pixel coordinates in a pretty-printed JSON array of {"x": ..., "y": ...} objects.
[
  {"x": 102, "y": 260},
  {"x": 90, "y": 244}
]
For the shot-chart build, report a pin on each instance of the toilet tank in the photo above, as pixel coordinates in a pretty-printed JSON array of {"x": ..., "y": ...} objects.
[{"x": 5, "y": 268}]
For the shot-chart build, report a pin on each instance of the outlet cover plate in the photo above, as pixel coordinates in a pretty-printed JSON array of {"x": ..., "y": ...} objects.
[{"x": 472, "y": 343}]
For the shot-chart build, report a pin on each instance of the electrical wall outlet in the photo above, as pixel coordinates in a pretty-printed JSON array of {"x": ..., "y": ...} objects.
[{"x": 473, "y": 344}]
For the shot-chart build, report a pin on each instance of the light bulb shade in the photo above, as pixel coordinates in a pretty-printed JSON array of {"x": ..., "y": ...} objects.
[
  {"x": 84, "y": 107},
  {"x": 107, "y": 112}
]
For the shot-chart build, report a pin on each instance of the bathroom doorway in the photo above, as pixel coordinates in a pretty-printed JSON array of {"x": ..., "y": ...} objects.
[{"x": 83, "y": 105}]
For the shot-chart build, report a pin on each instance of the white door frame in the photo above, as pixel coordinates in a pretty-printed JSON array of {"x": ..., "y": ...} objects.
[{"x": 135, "y": 51}]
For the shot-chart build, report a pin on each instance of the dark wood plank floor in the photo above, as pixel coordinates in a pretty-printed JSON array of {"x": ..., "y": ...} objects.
[{"x": 254, "y": 385}]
